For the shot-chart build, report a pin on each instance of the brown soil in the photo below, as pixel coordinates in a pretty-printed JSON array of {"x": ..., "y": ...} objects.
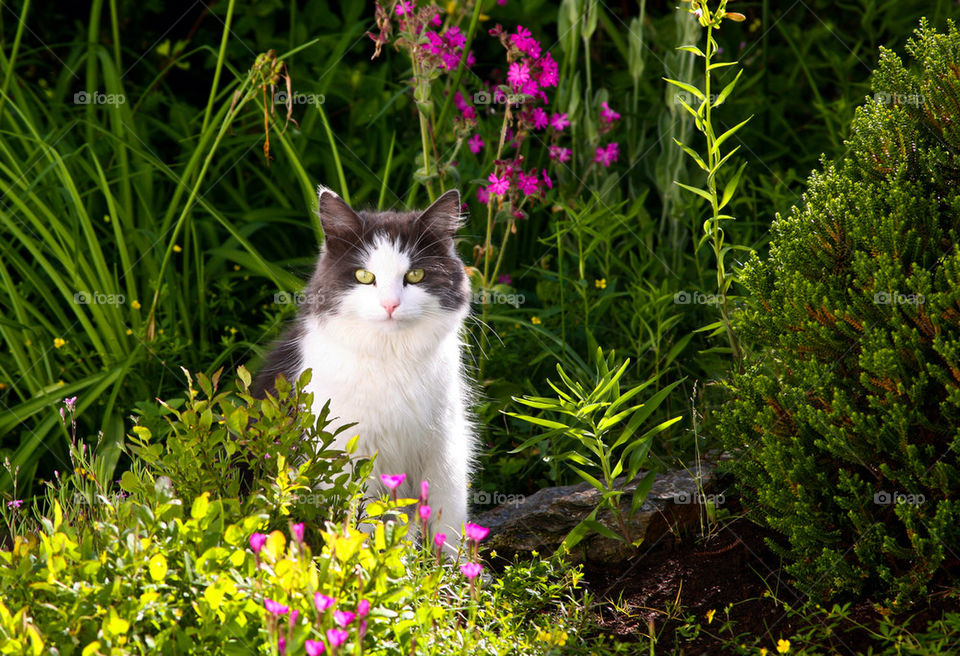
[{"x": 672, "y": 588}]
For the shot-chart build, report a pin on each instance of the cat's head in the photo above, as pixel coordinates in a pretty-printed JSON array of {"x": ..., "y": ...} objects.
[{"x": 390, "y": 271}]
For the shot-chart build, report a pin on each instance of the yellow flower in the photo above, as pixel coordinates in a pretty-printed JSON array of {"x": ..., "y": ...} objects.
[
  {"x": 763, "y": 651},
  {"x": 601, "y": 283},
  {"x": 129, "y": 331},
  {"x": 59, "y": 342},
  {"x": 536, "y": 321},
  {"x": 236, "y": 267},
  {"x": 136, "y": 304},
  {"x": 710, "y": 614},
  {"x": 783, "y": 646},
  {"x": 233, "y": 331},
  {"x": 3, "y": 386},
  {"x": 176, "y": 248}
]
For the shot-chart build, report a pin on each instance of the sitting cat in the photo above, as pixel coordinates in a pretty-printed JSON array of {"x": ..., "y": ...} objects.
[{"x": 381, "y": 329}]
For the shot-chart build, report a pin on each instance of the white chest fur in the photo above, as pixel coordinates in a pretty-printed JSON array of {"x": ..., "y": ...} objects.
[{"x": 406, "y": 393}]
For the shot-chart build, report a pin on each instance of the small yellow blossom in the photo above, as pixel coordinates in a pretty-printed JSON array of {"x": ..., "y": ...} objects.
[
  {"x": 59, "y": 342},
  {"x": 710, "y": 614},
  {"x": 3, "y": 386},
  {"x": 236, "y": 267},
  {"x": 136, "y": 305},
  {"x": 783, "y": 646},
  {"x": 601, "y": 283},
  {"x": 536, "y": 321},
  {"x": 763, "y": 651},
  {"x": 176, "y": 248},
  {"x": 129, "y": 331},
  {"x": 233, "y": 331}
]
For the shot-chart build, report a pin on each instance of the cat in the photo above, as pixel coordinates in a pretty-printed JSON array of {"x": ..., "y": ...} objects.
[{"x": 381, "y": 327}]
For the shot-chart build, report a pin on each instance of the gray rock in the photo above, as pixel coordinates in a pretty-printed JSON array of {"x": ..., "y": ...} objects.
[{"x": 540, "y": 522}]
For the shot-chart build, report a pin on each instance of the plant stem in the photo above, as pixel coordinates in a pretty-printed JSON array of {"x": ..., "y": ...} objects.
[{"x": 219, "y": 67}]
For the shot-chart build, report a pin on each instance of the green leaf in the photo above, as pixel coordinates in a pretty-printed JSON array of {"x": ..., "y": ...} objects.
[
  {"x": 731, "y": 186},
  {"x": 689, "y": 88},
  {"x": 158, "y": 567},
  {"x": 693, "y": 154},
  {"x": 694, "y": 49},
  {"x": 727, "y": 90},
  {"x": 200, "y": 506},
  {"x": 729, "y": 133},
  {"x": 698, "y": 192},
  {"x": 589, "y": 479}
]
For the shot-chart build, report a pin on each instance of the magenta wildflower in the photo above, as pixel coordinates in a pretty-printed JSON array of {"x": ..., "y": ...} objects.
[
  {"x": 257, "y": 540},
  {"x": 525, "y": 43},
  {"x": 608, "y": 114},
  {"x": 549, "y": 71},
  {"x": 362, "y": 630},
  {"x": 439, "y": 539},
  {"x": 476, "y": 532},
  {"x": 424, "y": 511},
  {"x": 435, "y": 21},
  {"x": 529, "y": 184},
  {"x": 424, "y": 490},
  {"x": 70, "y": 404},
  {"x": 455, "y": 37},
  {"x": 540, "y": 119},
  {"x": 546, "y": 180},
  {"x": 518, "y": 75},
  {"x": 337, "y": 637},
  {"x": 363, "y": 608},
  {"x": 560, "y": 154},
  {"x": 471, "y": 570},
  {"x": 294, "y": 615},
  {"x": 297, "y": 530},
  {"x": 275, "y": 608},
  {"x": 607, "y": 156},
  {"x": 475, "y": 144},
  {"x": 404, "y": 7},
  {"x": 504, "y": 280},
  {"x": 281, "y": 645},
  {"x": 393, "y": 481},
  {"x": 469, "y": 113},
  {"x": 322, "y": 601},
  {"x": 343, "y": 618},
  {"x": 314, "y": 647},
  {"x": 16, "y": 503},
  {"x": 559, "y": 121},
  {"x": 498, "y": 186},
  {"x": 483, "y": 196}
]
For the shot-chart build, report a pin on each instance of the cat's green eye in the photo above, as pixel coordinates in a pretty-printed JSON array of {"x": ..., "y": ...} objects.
[
  {"x": 414, "y": 275},
  {"x": 365, "y": 276}
]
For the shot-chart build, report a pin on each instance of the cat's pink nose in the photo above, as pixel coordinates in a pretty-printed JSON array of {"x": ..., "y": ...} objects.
[{"x": 390, "y": 306}]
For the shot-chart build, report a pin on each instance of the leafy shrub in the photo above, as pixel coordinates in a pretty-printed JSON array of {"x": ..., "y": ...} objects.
[
  {"x": 848, "y": 424},
  {"x": 156, "y": 567}
]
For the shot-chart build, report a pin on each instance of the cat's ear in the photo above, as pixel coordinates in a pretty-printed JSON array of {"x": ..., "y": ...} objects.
[
  {"x": 444, "y": 214},
  {"x": 336, "y": 217}
]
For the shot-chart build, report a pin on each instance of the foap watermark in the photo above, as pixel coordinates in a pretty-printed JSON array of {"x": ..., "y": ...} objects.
[
  {"x": 883, "y": 498},
  {"x": 487, "y": 498},
  {"x": 697, "y": 298},
  {"x": 896, "y": 298},
  {"x": 489, "y": 297},
  {"x": 884, "y": 98},
  {"x": 98, "y": 298},
  {"x": 295, "y": 98},
  {"x": 498, "y": 98},
  {"x": 685, "y": 97},
  {"x": 97, "y": 98},
  {"x": 696, "y": 498},
  {"x": 298, "y": 298}
]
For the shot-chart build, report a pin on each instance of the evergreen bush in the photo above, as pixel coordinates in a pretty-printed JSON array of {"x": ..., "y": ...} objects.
[{"x": 847, "y": 424}]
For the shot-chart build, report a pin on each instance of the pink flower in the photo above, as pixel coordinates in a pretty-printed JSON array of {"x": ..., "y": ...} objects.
[
  {"x": 393, "y": 481},
  {"x": 16, "y": 503},
  {"x": 529, "y": 184},
  {"x": 504, "y": 280},
  {"x": 297, "y": 530},
  {"x": 469, "y": 113},
  {"x": 439, "y": 539},
  {"x": 70, "y": 404},
  {"x": 281, "y": 645},
  {"x": 559, "y": 121},
  {"x": 540, "y": 119},
  {"x": 343, "y": 617},
  {"x": 471, "y": 570},
  {"x": 362, "y": 630},
  {"x": 607, "y": 156},
  {"x": 483, "y": 196},
  {"x": 363, "y": 608},
  {"x": 560, "y": 154},
  {"x": 322, "y": 601},
  {"x": 314, "y": 647},
  {"x": 549, "y": 71},
  {"x": 518, "y": 75},
  {"x": 424, "y": 511},
  {"x": 337, "y": 637},
  {"x": 476, "y": 532},
  {"x": 525, "y": 43},
  {"x": 435, "y": 21},
  {"x": 455, "y": 37},
  {"x": 475, "y": 143},
  {"x": 294, "y": 615},
  {"x": 424, "y": 490},
  {"x": 546, "y": 180},
  {"x": 257, "y": 540},
  {"x": 608, "y": 114},
  {"x": 404, "y": 7},
  {"x": 275, "y": 608},
  {"x": 498, "y": 186}
]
